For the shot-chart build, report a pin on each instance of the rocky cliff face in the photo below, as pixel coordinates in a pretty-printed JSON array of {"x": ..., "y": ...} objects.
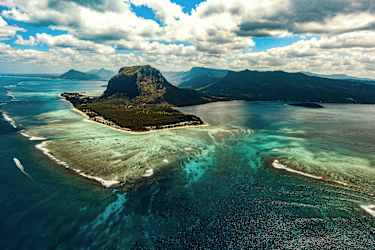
[{"x": 145, "y": 84}]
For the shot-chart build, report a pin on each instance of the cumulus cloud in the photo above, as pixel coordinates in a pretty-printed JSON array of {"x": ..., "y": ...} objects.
[
  {"x": 165, "y": 10},
  {"x": 359, "y": 39},
  {"x": 7, "y": 31},
  {"x": 65, "y": 41},
  {"x": 215, "y": 33},
  {"x": 109, "y": 20}
]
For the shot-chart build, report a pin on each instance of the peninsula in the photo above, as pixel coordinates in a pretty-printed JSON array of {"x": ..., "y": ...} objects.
[{"x": 140, "y": 99}]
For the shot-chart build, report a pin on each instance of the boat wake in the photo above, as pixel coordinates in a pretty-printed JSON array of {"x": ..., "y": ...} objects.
[
  {"x": 276, "y": 164},
  {"x": 21, "y": 168}
]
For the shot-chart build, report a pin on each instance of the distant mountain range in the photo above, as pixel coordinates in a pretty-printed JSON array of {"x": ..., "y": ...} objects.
[
  {"x": 196, "y": 78},
  {"x": 95, "y": 74},
  {"x": 104, "y": 74},
  {"x": 276, "y": 85},
  {"x": 78, "y": 75},
  {"x": 201, "y": 85},
  {"x": 341, "y": 77}
]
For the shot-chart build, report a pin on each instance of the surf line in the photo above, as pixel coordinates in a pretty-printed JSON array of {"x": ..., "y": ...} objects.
[
  {"x": 32, "y": 138},
  {"x": 106, "y": 183},
  {"x": 370, "y": 209},
  {"x": 277, "y": 165},
  {"x": 21, "y": 168},
  {"x": 10, "y": 120}
]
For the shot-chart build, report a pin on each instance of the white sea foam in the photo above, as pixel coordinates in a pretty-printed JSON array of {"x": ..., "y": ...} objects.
[
  {"x": 148, "y": 173},
  {"x": 21, "y": 168},
  {"x": 276, "y": 164},
  {"x": 106, "y": 183},
  {"x": 10, "y": 94},
  {"x": 32, "y": 138},
  {"x": 10, "y": 120},
  {"x": 370, "y": 209},
  {"x": 10, "y": 86}
]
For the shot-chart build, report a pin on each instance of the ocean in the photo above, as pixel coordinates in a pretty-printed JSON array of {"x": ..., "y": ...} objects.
[{"x": 261, "y": 175}]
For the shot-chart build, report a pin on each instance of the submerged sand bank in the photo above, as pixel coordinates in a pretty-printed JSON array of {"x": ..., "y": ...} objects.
[{"x": 106, "y": 183}]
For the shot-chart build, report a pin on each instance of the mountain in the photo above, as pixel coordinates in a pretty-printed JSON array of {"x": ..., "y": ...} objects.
[
  {"x": 196, "y": 78},
  {"x": 283, "y": 86},
  {"x": 103, "y": 73},
  {"x": 146, "y": 85},
  {"x": 341, "y": 77},
  {"x": 78, "y": 75}
]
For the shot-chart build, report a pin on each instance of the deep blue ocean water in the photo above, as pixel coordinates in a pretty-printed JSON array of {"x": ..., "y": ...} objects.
[{"x": 226, "y": 196}]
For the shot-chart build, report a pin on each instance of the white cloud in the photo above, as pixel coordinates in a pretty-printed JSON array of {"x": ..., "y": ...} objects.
[
  {"x": 7, "y": 31},
  {"x": 359, "y": 39},
  {"x": 216, "y": 33},
  {"x": 65, "y": 41},
  {"x": 113, "y": 20},
  {"x": 165, "y": 10}
]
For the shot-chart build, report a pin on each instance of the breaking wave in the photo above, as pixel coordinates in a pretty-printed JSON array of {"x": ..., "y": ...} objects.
[{"x": 9, "y": 119}]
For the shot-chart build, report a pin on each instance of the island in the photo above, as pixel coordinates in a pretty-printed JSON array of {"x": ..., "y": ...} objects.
[
  {"x": 311, "y": 105},
  {"x": 139, "y": 99}
]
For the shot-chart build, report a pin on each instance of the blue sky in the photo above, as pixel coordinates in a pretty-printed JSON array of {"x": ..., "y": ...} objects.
[
  {"x": 265, "y": 43},
  {"x": 292, "y": 35}
]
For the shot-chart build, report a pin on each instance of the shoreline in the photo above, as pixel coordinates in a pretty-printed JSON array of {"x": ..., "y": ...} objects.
[{"x": 105, "y": 183}]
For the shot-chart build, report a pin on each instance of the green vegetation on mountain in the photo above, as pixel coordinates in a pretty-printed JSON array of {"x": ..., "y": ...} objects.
[
  {"x": 290, "y": 87},
  {"x": 139, "y": 98},
  {"x": 145, "y": 84},
  {"x": 342, "y": 77},
  {"x": 140, "y": 117}
]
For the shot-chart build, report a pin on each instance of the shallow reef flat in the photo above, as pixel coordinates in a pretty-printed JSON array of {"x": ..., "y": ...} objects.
[
  {"x": 113, "y": 155},
  {"x": 130, "y": 158}
]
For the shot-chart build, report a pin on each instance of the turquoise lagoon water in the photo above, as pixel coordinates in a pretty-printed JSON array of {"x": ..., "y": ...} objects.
[{"x": 213, "y": 187}]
